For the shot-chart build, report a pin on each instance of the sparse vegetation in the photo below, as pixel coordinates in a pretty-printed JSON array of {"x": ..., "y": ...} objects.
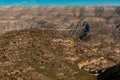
[
  {"x": 4, "y": 58},
  {"x": 49, "y": 55},
  {"x": 45, "y": 54},
  {"x": 36, "y": 52}
]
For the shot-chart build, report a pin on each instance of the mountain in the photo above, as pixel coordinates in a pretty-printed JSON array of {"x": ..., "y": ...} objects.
[
  {"x": 34, "y": 54},
  {"x": 49, "y": 55},
  {"x": 42, "y": 42},
  {"x": 67, "y": 20}
]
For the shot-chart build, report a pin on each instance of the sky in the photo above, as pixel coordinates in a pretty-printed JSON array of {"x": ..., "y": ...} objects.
[{"x": 59, "y": 2}]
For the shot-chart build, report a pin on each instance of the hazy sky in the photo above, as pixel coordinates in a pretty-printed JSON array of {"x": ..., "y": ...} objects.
[{"x": 60, "y": 2}]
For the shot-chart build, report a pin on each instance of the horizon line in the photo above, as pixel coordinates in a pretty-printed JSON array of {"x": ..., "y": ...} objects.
[{"x": 59, "y": 5}]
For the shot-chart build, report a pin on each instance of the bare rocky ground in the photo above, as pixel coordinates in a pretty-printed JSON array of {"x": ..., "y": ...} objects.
[{"x": 46, "y": 54}]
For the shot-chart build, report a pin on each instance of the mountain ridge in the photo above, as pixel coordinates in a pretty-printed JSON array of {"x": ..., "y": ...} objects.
[{"x": 63, "y": 19}]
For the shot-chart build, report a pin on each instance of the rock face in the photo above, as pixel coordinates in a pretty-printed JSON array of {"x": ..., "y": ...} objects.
[{"x": 67, "y": 20}]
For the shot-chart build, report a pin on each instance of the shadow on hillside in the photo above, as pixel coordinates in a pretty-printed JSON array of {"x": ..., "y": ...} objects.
[{"x": 112, "y": 73}]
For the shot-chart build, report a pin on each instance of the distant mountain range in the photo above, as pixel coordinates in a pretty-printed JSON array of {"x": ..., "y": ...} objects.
[{"x": 67, "y": 20}]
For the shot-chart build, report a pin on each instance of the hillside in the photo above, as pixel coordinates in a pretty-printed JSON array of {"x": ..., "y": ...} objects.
[
  {"x": 48, "y": 55},
  {"x": 34, "y": 54},
  {"x": 42, "y": 43}
]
